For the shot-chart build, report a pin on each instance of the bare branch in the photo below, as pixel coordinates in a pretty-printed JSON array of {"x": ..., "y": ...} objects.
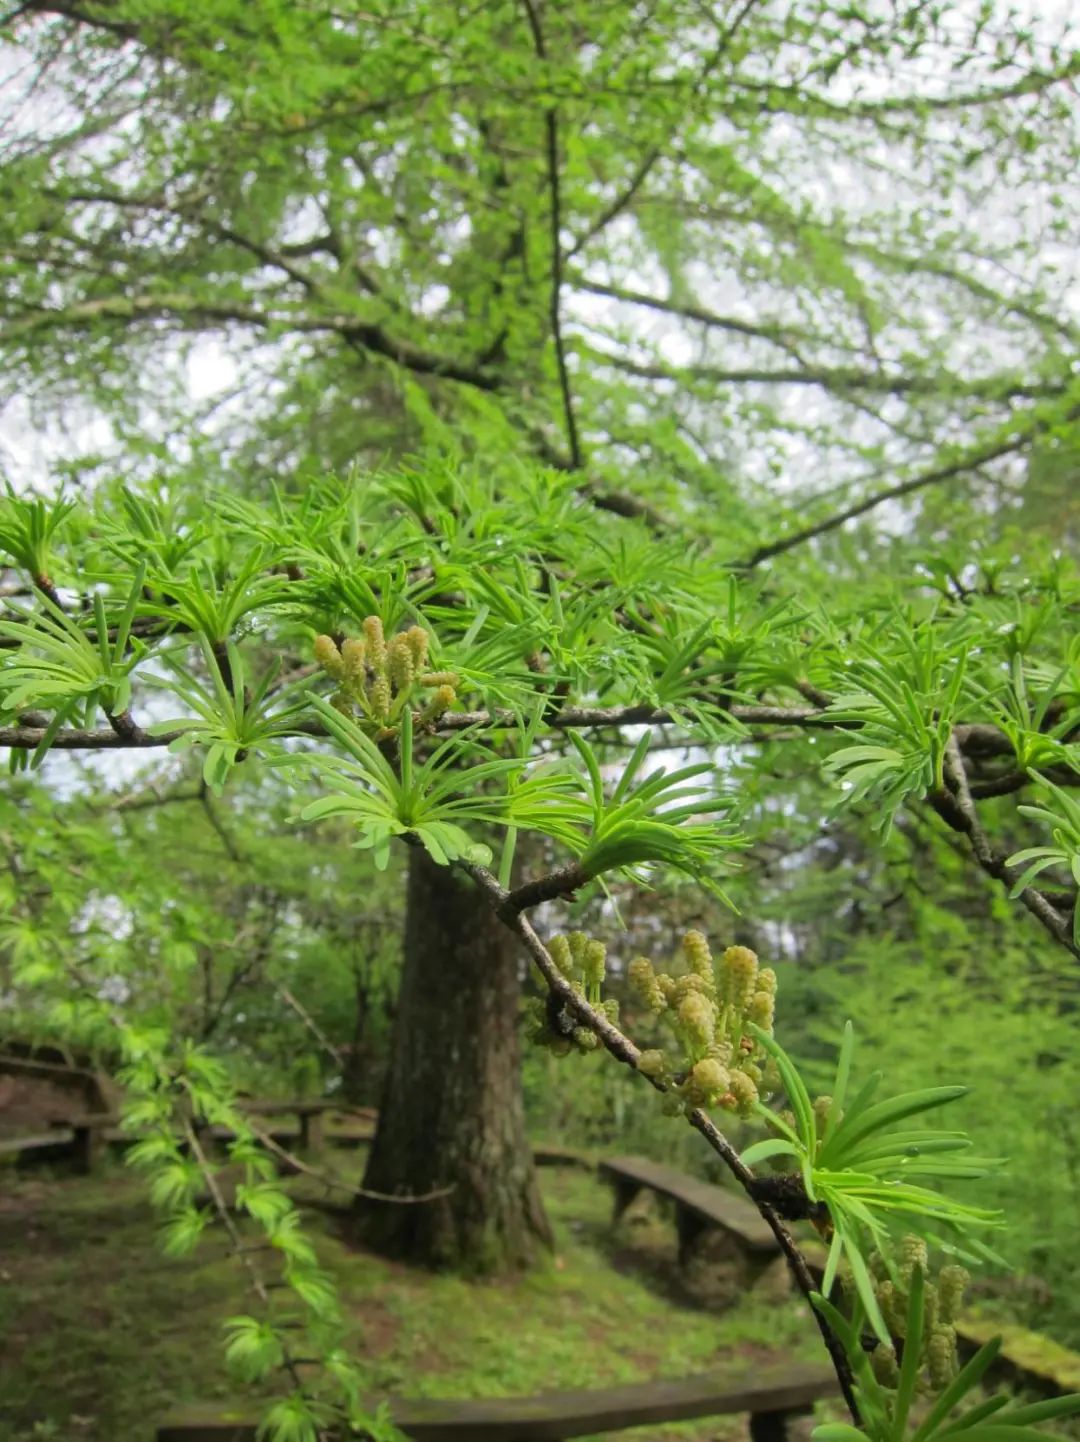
[
  {"x": 977, "y": 739},
  {"x": 328, "y": 1179},
  {"x": 27, "y": 738},
  {"x": 775, "y": 335},
  {"x": 621, "y": 503},
  {"x": 966, "y": 466},
  {"x": 620, "y": 202},
  {"x": 309, "y": 1021}
]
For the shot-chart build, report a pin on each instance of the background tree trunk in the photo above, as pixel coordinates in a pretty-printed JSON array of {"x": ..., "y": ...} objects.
[{"x": 451, "y": 1112}]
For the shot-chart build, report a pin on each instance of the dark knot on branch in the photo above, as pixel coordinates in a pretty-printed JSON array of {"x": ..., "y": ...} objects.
[{"x": 787, "y": 1197}]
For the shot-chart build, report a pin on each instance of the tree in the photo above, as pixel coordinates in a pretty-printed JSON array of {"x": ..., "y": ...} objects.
[
  {"x": 462, "y": 1123},
  {"x": 417, "y": 232}
]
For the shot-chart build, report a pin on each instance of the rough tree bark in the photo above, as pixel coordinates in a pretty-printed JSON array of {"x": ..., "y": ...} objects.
[{"x": 451, "y": 1112}]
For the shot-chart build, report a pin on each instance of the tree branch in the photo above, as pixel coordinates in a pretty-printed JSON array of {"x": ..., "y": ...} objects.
[
  {"x": 563, "y": 882},
  {"x": 184, "y": 309},
  {"x": 623, "y": 1049},
  {"x": 977, "y": 739},
  {"x": 653, "y": 154},
  {"x": 27, "y": 738},
  {"x": 309, "y": 1021},
  {"x": 962, "y": 467},
  {"x": 328, "y": 1179},
  {"x": 775, "y": 335},
  {"x": 839, "y": 379},
  {"x": 957, "y": 809}
]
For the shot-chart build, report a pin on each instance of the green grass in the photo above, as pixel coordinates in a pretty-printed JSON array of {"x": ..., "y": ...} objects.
[{"x": 100, "y": 1335}]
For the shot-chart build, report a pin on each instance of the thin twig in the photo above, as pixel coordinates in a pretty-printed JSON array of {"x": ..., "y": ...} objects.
[
  {"x": 143, "y": 798},
  {"x": 551, "y": 128},
  {"x": 330, "y": 1180},
  {"x": 309, "y": 1021},
  {"x": 231, "y": 849},
  {"x": 220, "y": 1206},
  {"x": 957, "y": 809}
]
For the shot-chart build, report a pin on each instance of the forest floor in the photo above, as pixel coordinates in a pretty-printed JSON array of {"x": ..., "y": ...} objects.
[{"x": 101, "y": 1335}]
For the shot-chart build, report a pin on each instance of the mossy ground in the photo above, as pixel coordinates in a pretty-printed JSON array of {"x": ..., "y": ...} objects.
[{"x": 101, "y": 1335}]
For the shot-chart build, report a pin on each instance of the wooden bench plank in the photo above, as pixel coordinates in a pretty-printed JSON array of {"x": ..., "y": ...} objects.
[
  {"x": 712, "y": 1204},
  {"x": 58, "y": 1137},
  {"x": 281, "y": 1132},
  {"x": 270, "y": 1107},
  {"x": 46, "y": 1070},
  {"x": 312, "y": 1113},
  {"x": 351, "y": 1133},
  {"x": 554, "y": 1416},
  {"x": 93, "y": 1085},
  {"x": 113, "y": 1134},
  {"x": 95, "y": 1121},
  {"x": 309, "y": 1106}
]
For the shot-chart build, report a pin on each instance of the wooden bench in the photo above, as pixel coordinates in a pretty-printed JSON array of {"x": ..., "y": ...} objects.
[
  {"x": 772, "y": 1395},
  {"x": 311, "y": 1115},
  {"x": 79, "y": 1140},
  {"x": 93, "y": 1087},
  {"x": 83, "y": 1138},
  {"x": 724, "y": 1242},
  {"x": 308, "y": 1113},
  {"x": 351, "y": 1134},
  {"x": 698, "y": 1204},
  {"x": 1027, "y": 1359},
  {"x": 91, "y": 1133}
]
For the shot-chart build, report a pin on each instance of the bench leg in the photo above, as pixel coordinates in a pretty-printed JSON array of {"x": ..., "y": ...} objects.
[
  {"x": 774, "y": 1426},
  {"x": 688, "y": 1226},
  {"x": 625, "y": 1192},
  {"x": 311, "y": 1132},
  {"x": 87, "y": 1148}
]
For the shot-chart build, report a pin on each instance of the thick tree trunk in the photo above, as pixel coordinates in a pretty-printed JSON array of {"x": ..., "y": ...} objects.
[{"x": 451, "y": 1113}]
